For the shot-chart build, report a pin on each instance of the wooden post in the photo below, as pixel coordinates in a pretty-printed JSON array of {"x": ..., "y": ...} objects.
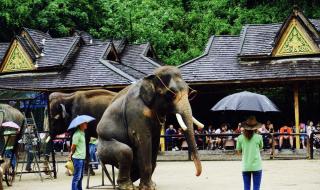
[
  {"x": 296, "y": 113},
  {"x": 162, "y": 144}
]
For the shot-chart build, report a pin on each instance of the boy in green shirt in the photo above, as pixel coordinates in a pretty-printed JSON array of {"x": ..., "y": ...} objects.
[{"x": 250, "y": 144}]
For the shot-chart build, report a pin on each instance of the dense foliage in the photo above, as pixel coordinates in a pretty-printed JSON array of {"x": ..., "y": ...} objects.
[{"x": 178, "y": 29}]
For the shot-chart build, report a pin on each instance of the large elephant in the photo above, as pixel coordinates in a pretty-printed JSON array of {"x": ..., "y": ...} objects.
[
  {"x": 129, "y": 131},
  {"x": 66, "y": 106}
]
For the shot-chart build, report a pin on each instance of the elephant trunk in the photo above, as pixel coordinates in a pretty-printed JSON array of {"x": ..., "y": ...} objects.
[{"x": 185, "y": 118}]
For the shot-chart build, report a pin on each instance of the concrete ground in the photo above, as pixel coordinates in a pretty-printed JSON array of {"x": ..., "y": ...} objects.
[{"x": 218, "y": 175}]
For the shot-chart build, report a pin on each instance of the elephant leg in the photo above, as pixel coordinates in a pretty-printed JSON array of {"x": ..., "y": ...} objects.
[
  {"x": 116, "y": 153},
  {"x": 1, "y": 174},
  {"x": 145, "y": 164}
]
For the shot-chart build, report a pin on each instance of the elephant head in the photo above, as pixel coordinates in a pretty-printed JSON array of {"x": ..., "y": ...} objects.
[
  {"x": 59, "y": 117},
  {"x": 166, "y": 92}
]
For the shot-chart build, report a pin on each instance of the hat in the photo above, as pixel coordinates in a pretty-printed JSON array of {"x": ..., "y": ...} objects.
[{"x": 251, "y": 123}]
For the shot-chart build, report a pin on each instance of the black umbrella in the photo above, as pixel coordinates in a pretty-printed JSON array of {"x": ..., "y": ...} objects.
[{"x": 245, "y": 101}]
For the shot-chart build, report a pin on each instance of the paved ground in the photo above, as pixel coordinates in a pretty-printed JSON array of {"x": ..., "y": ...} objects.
[{"x": 218, "y": 175}]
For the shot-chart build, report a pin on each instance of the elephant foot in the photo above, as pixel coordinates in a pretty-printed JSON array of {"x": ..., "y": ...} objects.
[
  {"x": 126, "y": 186},
  {"x": 147, "y": 186}
]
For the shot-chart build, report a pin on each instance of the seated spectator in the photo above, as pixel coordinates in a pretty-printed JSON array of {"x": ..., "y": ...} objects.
[
  {"x": 302, "y": 137},
  {"x": 225, "y": 130},
  {"x": 209, "y": 139},
  {"x": 218, "y": 140},
  {"x": 269, "y": 126},
  {"x": 9, "y": 153},
  {"x": 265, "y": 136},
  {"x": 318, "y": 127},
  {"x": 287, "y": 130},
  {"x": 200, "y": 140},
  {"x": 170, "y": 141},
  {"x": 238, "y": 130},
  {"x": 180, "y": 139}
]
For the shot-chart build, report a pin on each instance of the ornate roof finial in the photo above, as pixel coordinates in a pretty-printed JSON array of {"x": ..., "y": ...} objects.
[{"x": 296, "y": 10}]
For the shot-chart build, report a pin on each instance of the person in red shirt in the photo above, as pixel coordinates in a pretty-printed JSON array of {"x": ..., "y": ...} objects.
[{"x": 287, "y": 130}]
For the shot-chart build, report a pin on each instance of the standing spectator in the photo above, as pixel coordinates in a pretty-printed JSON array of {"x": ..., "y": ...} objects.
[
  {"x": 287, "y": 130},
  {"x": 249, "y": 144},
  {"x": 310, "y": 128},
  {"x": 78, "y": 155},
  {"x": 29, "y": 140},
  {"x": 92, "y": 151},
  {"x": 170, "y": 141}
]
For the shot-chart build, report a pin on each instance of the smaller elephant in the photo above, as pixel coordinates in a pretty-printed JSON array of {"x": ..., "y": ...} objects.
[
  {"x": 129, "y": 130},
  {"x": 64, "y": 107}
]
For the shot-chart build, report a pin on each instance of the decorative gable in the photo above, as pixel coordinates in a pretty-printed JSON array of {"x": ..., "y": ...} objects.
[
  {"x": 296, "y": 37},
  {"x": 16, "y": 59},
  {"x": 295, "y": 41}
]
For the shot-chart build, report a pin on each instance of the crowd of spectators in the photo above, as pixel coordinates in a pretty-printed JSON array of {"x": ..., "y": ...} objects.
[{"x": 225, "y": 136}]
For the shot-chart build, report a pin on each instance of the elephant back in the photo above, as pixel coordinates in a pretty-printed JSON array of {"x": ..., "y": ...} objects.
[{"x": 11, "y": 114}]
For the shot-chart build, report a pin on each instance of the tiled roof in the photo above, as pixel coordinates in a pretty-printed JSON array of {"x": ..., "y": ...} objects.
[
  {"x": 86, "y": 71},
  {"x": 258, "y": 39},
  {"x": 70, "y": 63},
  {"x": 119, "y": 45},
  {"x": 135, "y": 63},
  {"x": 78, "y": 62},
  {"x": 37, "y": 36},
  {"x": 3, "y": 49},
  {"x": 316, "y": 23},
  {"x": 56, "y": 51},
  {"x": 221, "y": 64}
]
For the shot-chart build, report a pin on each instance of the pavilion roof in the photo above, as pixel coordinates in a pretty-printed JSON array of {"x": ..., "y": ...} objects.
[
  {"x": 76, "y": 62},
  {"x": 254, "y": 56}
]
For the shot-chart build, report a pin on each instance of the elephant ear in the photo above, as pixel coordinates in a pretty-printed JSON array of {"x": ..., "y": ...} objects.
[
  {"x": 147, "y": 90},
  {"x": 64, "y": 111},
  {"x": 1, "y": 117}
]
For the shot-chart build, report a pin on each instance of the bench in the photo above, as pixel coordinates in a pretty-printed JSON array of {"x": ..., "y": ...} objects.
[{"x": 104, "y": 172}]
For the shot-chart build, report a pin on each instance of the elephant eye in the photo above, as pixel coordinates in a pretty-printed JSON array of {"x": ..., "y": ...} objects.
[{"x": 170, "y": 95}]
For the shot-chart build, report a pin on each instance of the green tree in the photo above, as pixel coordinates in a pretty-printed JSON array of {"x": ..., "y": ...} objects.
[{"x": 178, "y": 29}]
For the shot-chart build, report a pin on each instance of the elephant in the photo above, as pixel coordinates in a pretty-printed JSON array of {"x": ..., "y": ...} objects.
[
  {"x": 129, "y": 130},
  {"x": 63, "y": 107},
  {"x": 7, "y": 113}
]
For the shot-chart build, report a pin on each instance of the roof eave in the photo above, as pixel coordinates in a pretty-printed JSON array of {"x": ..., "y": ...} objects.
[{"x": 206, "y": 52}]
